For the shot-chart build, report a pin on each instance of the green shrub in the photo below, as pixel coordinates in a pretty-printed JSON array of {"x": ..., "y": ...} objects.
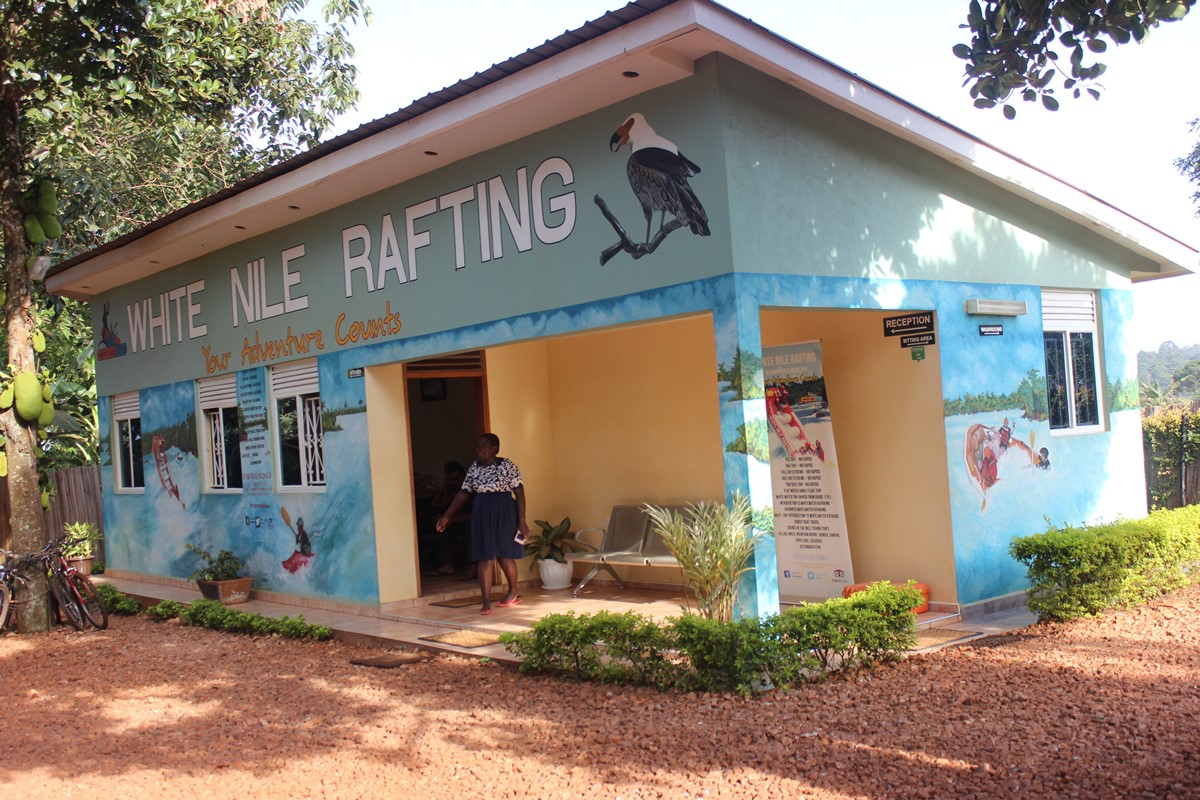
[
  {"x": 692, "y": 652},
  {"x": 165, "y": 610},
  {"x": 1076, "y": 572},
  {"x": 214, "y": 615},
  {"x": 116, "y": 601},
  {"x": 635, "y": 649},
  {"x": 558, "y": 643}
]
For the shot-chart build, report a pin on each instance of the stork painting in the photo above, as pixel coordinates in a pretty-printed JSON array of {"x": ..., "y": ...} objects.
[{"x": 658, "y": 174}]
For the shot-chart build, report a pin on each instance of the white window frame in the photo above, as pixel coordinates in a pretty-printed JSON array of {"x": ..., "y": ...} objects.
[
  {"x": 1064, "y": 312},
  {"x": 126, "y": 408},
  {"x": 213, "y": 397},
  {"x": 298, "y": 381}
]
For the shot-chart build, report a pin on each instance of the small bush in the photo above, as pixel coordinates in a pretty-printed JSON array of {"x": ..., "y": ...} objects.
[
  {"x": 116, "y": 601},
  {"x": 165, "y": 610}
]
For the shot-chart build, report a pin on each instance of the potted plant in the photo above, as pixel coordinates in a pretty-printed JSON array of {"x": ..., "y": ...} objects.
[
  {"x": 80, "y": 547},
  {"x": 549, "y": 548},
  {"x": 221, "y": 577}
]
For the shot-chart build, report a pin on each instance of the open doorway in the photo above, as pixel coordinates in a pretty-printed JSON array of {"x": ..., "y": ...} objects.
[{"x": 446, "y": 414}]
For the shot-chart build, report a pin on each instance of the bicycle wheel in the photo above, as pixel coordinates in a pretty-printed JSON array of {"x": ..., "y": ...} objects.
[
  {"x": 5, "y": 603},
  {"x": 66, "y": 601},
  {"x": 90, "y": 602}
]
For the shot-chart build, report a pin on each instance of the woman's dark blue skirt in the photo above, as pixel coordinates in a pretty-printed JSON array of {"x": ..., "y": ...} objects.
[{"x": 493, "y": 526}]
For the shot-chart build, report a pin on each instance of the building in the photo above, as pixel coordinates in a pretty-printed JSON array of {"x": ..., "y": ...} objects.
[{"x": 666, "y": 257}]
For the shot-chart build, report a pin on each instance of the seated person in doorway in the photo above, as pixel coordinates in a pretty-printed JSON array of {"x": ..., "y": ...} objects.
[{"x": 454, "y": 542}]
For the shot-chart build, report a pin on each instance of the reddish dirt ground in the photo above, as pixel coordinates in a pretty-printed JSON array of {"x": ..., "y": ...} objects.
[{"x": 1106, "y": 707}]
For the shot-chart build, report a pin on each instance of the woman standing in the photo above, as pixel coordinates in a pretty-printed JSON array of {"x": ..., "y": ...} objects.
[{"x": 498, "y": 526}]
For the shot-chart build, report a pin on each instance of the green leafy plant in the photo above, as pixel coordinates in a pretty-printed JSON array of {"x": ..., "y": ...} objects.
[
  {"x": 165, "y": 610},
  {"x": 1076, "y": 572},
  {"x": 116, "y": 601},
  {"x": 81, "y": 541},
  {"x": 553, "y": 541},
  {"x": 224, "y": 566},
  {"x": 803, "y": 644},
  {"x": 713, "y": 544},
  {"x": 215, "y": 616}
]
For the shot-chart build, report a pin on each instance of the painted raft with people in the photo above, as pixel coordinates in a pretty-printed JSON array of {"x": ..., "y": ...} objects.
[
  {"x": 788, "y": 427},
  {"x": 983, "y": 448}
]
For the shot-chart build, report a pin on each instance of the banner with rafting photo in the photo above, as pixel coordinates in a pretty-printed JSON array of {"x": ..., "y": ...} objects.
[{"x": 810, "y": 520}]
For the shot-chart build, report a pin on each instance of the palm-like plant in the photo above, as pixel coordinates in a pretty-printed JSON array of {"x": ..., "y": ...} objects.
[{"x": 713, "y": 544}]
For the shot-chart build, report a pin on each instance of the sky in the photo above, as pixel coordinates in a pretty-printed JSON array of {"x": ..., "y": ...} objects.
[{"x": 1121, "y": 148}]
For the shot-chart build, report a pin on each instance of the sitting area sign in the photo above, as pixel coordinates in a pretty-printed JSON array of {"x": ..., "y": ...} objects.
[{"x": 810, "y": 519}]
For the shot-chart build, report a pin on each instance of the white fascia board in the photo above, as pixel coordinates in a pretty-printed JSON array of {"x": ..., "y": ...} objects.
[{"x": 780, "y": 58}]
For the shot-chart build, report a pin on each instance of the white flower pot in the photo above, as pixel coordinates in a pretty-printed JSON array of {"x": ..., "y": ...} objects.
[{"x": 554, "y": 575}]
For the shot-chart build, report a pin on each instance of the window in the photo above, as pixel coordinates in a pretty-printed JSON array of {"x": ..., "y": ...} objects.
[
  {"x": 1069, "y": 333},
  {"x": 127, "y": 441},
  {"x": 222, "y": 433},
  {"x": 300, "y": 451}
]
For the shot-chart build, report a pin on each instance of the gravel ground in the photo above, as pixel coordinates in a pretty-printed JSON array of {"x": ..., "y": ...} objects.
[{"x": 1105, "y": 707}]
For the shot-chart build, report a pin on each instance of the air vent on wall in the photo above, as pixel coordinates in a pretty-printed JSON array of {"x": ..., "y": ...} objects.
[{"x": 457, "y": 364}]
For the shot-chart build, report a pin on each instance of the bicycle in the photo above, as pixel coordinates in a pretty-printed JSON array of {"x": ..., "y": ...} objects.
[
  {"x": 9, "y": 577},
  {"x": 76, "y": 596}
]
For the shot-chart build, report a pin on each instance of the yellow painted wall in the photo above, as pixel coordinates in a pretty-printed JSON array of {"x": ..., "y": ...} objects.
[
  {"x": 519, "y": 412},
  {"x": 890, "y": 433},
  {"x": 392, "y": 498},
  {"x": 635, "y": 420}
]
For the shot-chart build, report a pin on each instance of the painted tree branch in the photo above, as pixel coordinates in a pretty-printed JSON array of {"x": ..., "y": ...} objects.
[{"x": 635, "y": 249}]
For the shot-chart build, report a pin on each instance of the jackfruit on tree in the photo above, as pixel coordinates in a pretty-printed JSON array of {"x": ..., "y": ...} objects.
[
  {"x": 47, "y": 415},
  {"x": 47, "y": 201},
  {"x": 50, "y": 225},
  {"x": 33, "y": 230},
  {"x": 27, "y": 396}
]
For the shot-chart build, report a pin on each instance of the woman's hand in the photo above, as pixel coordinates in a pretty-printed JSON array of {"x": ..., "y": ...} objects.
[
  {"x": 523, "y": 527},
  {"x": 441, "y": 524}
]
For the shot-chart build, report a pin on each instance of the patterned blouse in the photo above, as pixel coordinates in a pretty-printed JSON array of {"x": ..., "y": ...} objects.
[{"x": 501, "y": 476}]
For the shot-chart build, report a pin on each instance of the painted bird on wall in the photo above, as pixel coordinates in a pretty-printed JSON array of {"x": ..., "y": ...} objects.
[{"x": 658, "y": 174}]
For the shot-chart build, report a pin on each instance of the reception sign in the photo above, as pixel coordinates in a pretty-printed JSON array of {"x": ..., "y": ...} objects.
[{"x": 810, "y": 520}]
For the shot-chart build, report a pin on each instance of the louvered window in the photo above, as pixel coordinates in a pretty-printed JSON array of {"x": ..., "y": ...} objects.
[
  {"x": 222, "y": 433},
  {"x": 127, "y": 442},
  {"x": 1072, "y": 379},
  {"x": 300, "y": 454}
]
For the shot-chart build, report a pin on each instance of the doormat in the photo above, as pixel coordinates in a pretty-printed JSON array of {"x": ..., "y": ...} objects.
[
  {"x": 931, "y": 637},
  {"x": 461, "y": 602},
  {"x": 390, "y": 661},
  {"x": 465, "y": 638}
]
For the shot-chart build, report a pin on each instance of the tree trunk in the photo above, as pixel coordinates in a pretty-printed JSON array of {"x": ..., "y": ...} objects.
[{"x": 32, "y": 608}]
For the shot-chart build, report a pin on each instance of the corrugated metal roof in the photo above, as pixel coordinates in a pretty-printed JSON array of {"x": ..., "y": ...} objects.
[{"x": 535, "y": 55}]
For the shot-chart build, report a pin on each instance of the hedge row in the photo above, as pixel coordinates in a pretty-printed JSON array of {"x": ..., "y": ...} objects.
[
  {"x": 1077, "y": 572},
  {"x": 803, "y": 644},
  {"x": 212, "y": 614}
]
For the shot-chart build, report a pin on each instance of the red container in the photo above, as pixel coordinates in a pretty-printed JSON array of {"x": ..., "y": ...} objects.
[{"x": 921, "y": 587}]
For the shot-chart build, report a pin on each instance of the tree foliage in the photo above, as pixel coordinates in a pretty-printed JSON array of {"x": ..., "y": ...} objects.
[
  {"x": 1189, "y": 165},
  {"x": 1027, "y": 47},
  {"x": 1168, "y": 374},
  {"x": 128, "y": 109}
]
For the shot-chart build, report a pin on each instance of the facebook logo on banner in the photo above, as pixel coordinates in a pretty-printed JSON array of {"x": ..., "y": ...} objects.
[{"x": 787, "y": 573}]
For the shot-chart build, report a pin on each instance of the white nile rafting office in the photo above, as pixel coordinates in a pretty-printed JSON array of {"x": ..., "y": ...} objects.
[{"x": 666, "y": 257}]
